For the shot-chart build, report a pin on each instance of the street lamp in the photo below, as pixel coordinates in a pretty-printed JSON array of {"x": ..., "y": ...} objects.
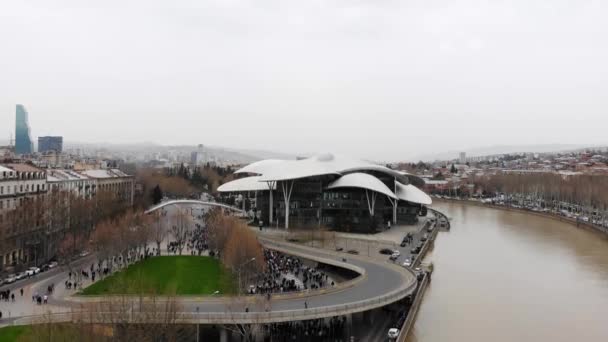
[{"x": 239, "y": 272}]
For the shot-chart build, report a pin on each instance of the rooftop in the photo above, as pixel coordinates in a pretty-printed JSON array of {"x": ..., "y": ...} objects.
[{"x": 104, "y": 173}]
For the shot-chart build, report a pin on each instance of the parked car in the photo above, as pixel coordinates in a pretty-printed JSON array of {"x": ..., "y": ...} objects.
[
  {"x": 393, "y": 333},
  {"x": 339, "y": 249},
  {"x": 29, "y": 272},
  {"x": 36, "y": 270},
  {"x": 407, "y": 263},
  {"x": 395, "y": 255},
  {"x": 403, "y": 244},
  {"x": 53, "y": 264},
  {"x": 10, "y": 279},
  {"x": 415, "y": 250},
  {"x": 352, "y": 251},
  {"x": 21, "y": 275},
  {"x": 386, "y": 251},
  {"x": 424, "y": 237}
]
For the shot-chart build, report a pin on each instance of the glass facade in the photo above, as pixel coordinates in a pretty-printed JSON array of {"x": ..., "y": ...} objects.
[
  {"x": 23, "y": 139},
  {"x": 46, "y": 144},
  {"x": 312, "y": 205}
]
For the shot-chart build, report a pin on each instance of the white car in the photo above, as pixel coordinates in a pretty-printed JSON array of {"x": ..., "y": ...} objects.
[
  {"x": 407, "y": 263},
  {"x": 393, "y": 333},
  {"x": 10, "y": 279},
  {"x": 395, "y": 255},
  {"x": 21, "y": 275},
  {"x": 53, "y": 264},
  {"x": 34, "y": 270}
]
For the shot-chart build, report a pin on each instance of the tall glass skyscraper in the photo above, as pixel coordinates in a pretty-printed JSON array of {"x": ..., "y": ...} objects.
[{"x": 23, "y": 139}]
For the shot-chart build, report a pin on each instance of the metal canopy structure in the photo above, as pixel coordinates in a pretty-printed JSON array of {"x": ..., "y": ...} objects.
[
  {"x": 372, "y": 185},
  {"x": 412, "y": 194},
  {"x": 245, "y": 184},
  {"x": 350, "y": 172}
]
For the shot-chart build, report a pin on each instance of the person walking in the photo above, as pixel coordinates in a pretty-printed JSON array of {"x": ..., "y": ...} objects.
[
  {"x": 21, "y": 292},
  {"x": 305, "y": 305}
]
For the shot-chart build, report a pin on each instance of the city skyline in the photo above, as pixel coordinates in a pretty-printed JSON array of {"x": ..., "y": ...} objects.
[{"x": 395, "y": 74}]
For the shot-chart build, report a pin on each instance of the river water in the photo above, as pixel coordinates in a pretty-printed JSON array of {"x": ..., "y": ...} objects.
[{"x": 508, "y": 276}]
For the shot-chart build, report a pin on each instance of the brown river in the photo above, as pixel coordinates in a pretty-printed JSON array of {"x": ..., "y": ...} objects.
[{"x": 508, "y": 276}]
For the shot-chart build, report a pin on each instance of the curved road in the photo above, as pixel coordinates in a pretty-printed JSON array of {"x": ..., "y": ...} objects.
[{"x": 381, "y": 283}]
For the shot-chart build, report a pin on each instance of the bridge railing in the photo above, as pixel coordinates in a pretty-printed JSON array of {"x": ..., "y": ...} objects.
[{"x": 92, "y": 316}]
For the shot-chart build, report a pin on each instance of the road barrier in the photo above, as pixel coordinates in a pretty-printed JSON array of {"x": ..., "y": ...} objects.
[{"x": 230, "y": 316}]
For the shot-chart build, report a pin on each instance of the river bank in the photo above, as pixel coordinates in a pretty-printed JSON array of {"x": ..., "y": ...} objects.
[
  {"x": 577, "y": 223},
  {"x": 503, "y": 275}
]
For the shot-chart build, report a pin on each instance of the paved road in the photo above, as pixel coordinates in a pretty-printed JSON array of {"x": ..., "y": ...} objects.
[{"x": 367, "y": 292}]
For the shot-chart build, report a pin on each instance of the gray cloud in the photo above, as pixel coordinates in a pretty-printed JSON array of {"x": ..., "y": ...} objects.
[{"x": 375, "y": 79}]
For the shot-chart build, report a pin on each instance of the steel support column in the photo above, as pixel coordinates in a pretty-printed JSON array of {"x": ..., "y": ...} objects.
[
  {"x": 371, "y": 203},
  {"x": 270, "y": 209},
  {"x": 287, "y": 187}
]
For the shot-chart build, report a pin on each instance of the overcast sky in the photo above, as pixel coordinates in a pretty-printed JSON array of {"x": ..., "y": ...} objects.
[{"x": 377, "y": 79}]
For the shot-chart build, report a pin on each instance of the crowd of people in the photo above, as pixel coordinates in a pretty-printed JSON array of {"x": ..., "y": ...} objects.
[
  {"x": 286, "y": 273},
  {"x": 198, "y": 241},
  {"x": 313, "y": 330}
]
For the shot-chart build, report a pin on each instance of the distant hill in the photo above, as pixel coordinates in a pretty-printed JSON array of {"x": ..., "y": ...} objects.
[
  {"x": 237, "y": 155},
  {"x": 503, "y": 149}
]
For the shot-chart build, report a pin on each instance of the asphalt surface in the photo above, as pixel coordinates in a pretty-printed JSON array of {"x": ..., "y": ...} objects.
[{"x": 381, "y": 278}]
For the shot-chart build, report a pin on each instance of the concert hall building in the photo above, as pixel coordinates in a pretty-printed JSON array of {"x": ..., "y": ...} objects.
[{"x": 331, "y": 191}]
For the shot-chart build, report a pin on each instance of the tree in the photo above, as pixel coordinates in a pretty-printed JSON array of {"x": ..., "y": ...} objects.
[
  {"x": 157, "y": 195},
  {"x": 453, "y": 170},
  {"x": 159, "y": 229},
  {"x": 182, "y": 225}
]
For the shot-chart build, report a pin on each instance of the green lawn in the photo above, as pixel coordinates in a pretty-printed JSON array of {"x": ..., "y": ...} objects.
[
  {"x": 11, "y": 334},
  {"x": 168, "y": 275}
]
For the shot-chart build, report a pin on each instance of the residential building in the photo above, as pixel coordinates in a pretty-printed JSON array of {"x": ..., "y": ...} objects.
[
  {"x": 71, "y": 181},
  {"x": 18, "y": 184},
  {"x": 462, "y": 158},
  {"x": 23, "y": 138},
  {"x": 113, "y": 180},
  {"x": 30, "y": 234},
  {"x": 47, "y": 144}
]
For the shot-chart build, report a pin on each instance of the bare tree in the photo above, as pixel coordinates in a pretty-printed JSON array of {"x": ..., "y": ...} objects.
[
  {"x": 159, "y": 229},
  {"x": 180, "y": 229}
]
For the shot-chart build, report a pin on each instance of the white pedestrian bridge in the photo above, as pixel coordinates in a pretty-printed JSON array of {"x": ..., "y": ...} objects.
[
  {"x": 379, "y": 283},
  {"x": 195, "y": 202}
]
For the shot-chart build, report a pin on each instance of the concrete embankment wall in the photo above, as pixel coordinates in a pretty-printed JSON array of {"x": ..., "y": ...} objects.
[
  {"x": 411, "y": 316},
  {"x": 413, "y": 311}
]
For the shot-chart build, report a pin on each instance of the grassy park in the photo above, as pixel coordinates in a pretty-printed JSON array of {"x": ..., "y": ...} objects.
[
  {"x": 9, "y": 334},
  {"x": 168, "y": 275}
]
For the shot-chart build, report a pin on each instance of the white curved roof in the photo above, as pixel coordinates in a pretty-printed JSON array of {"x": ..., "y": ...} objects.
[
  {"x": 323, "y": 164},
  {"x": 260, "y": 167},
  {"x": 245, "y": 184},
  {"x": 362, "y": 180},
  {"x": 412, "y": 194}
]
